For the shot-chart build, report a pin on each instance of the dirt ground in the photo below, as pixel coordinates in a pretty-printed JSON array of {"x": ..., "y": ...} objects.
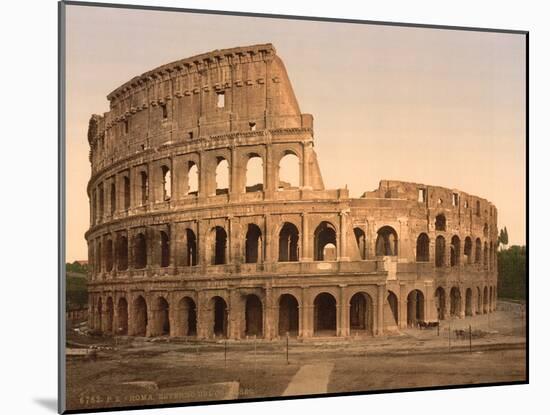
[{"x": 171, "y": 371}]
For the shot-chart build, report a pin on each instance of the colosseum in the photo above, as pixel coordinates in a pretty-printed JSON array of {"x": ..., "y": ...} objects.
[{"x": 175, "y": 251}]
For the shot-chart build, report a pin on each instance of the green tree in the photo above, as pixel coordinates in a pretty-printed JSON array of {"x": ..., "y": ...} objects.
[{"x": 512, "y": 272}]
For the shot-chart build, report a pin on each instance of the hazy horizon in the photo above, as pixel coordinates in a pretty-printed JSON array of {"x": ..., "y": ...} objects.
[{"x": 439, "y": 107}]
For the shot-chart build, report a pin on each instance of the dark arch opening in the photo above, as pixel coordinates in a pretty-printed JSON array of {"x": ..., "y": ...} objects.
[
  {"x": 324, "y": 235},
  {"x": 468, "y": 310},
  {"x": 440, "y": 222},
  {"x": 253, "y": 244},
  {"x": 164, "y": 249},
  {"x": 191, "y": 248},
  {"x": 140, "y": 318},
  {"x": 455, "y": 302},
  {"x": 440, "y": 303},
  {"x": 415, "y": 308},
  {"x": 394, "y": 306},
  {"x": 140, "y": 251},
  {"x": 163, "y": 320},
  {"x": 220, "y": 316},
  {"x": 360, "y": 313},
  {"x": 325, "y": 314},
  {"x": 288, "y": 243},
  {"x": 485, "y": 300},
  {"x": 468, "y": 250},
  {"x": 187, "y": 315},
  {"x": 253, "y": 316},
  {"x": 144, "y": 188},
  {"x": 110, "y": 316},
  {"x": 423, "y": 248},
  {"x": 122, "y": 317},
  {"x": 122, "y": 253},
  {"x": 455, "y": 251},
  {"x": 109, "y": 255},
  {"x": 478, "y": 251},
  {"x": 288, "y": 315},
  {"x": 386, "y": 241},
  {"x": 219, "y": 239},
  {"x": 440, "y": 251},
  {"x": 361, "y": 241}
]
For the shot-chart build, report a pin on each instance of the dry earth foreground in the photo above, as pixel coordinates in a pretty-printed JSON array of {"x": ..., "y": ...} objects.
[{"x": 134, "y": 371}]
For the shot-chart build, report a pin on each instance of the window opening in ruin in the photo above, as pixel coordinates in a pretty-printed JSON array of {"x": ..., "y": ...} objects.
[
  {"x": 478, "y": 208},
  {"x": 478, "y": 251},
  {"x": 126, "y": 129},
  {"x": 109, "y": 255},
  {"x": 164, "y": 111},
  {"x": 254, "y": 174},
  {"x": 455, "y": 302},
  {"x": 144, "y": 188},
  {"x": 121, "y": 327},
  {"x": 392, "y": 301},
  {"x": 485, "y": 230},
  {"x": 192, "y": 179},
  {"x": 191, "y": 248},
  {"x": 468, "y": 250},
  {"x": 439, "y": 201},
  {"x": 166, "y": 183},
  {"x": 122, "y": 253},
  {"x": 140, "y": 317},
  {"x": 163, "y": 321},
  {"x": 361, "y": 241},
  {"x": 99, "y": 255},
  {"x": 288, "y": 315},
  {"x": 468, "y": 309},
  {"x": 140, "y": 251},
  {"x": 113, "y": 199},
  {"x": 126, "y": 192},
  {"x": 289, "y": 172},
  {"x": 324, "y": 315},
  {"x": 222, "y": 177},
  {"x": 440, "y": 223},
  {"x": 440, "y": 303},
  {"x": 219, "y": 245},
  {"x": 253, "y": 244},
  {"x": 164, "y": 249},
  {"x": 288, "y": 243},
  {"x": 190, "y": 135},
  {"x": 187, "y": 315},
  {"x": 415, "y": 308},
  {"x": 325, "y": 237},
  {"x": 440, "y": 251},
  {"x": 220, "y": 316},
  {"x": 455, "y": 199},
  {"x": 455, "y": 251},
  {"x": 221, "y": 99},
  {"x": 252, "y": 126},
  {"x": 485, "y": 254},
  {"x": 101, "y": 201},
  {"x": 253, "y": 316},
  {"x": 360, "y": 313},
  {"x": 423, "y": 248},
  {"x": 465, "y": 204},
  {"x": 422, "y": 195},
  {"x": 386, "y": 242}
]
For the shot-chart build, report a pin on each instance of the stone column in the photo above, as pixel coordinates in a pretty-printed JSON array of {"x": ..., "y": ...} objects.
[
  {"x": 343, "y": 251},
  {"x": 380, "y": 303},
  {"x": 268, "y": 257},
  {"x": 305, "y": 255},
  {"x": 429, "y": 303},
  {"x": 269, "y": 314},
  {"x": 173, "y": 230},
  {"x": 234, "y": 315},
  {"x": 203, "y": 176},
  {"x": 203, "y": 311},
  {"x": 403, "y": 306},
  {"x": 235, "y": 179},
  {"x": 269, "y": 176},
  {"x": 306, "y": 164},
  {"x": 344, "y": 313}
]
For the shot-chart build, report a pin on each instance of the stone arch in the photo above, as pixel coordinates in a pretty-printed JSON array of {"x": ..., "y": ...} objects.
[
  {"x": 456, "y": 302},
  {"x": 126, "y": 193},
  {"x": 109, "y": 315},
  {"x": 455, "y": 251},
  {"x": 485, "y": 230},
  {"x": 485, "y": 300},
  {"x": 288, "y": 176},
  {"x": 140, "y": 318},
  {"x": 324, "y": 314},
  {"x": 113, "y": 198},
  {"x": 219, "y": 317},
  {"x": 361, "y": 313},
  {"x": 140, "y": 251},
  {"x": 222, "y": 176},
  {"x": 166, "y": 176},
  {"x": 485, "y": 254},
  {"x": 253, "y": 316},
  {"x": 109, "y": 255},
  {"x": 190, "y": 248},
  {"x": 440, "y": 251},
  {"x": 423, "y": 248},
  {"x": 122, "y": 253},
  {"x": 478, "y": 251},
  {"x": 361, "y": 241},
  {"x": 468, "y": 305},
  {"x": 440, "y": 223},
  {"x": 289, "y": 315},
  {"x": 468, "y": 250},
  {"x": 253, "y": 244},
  {"x": 218, "y": 238},
  {"x": 254, "y": 173},
  {"x": 479, "y": 308},
  {"x": 162, "y": 317},
  {"x": 386, "y": 241},
  {"x": 394, "y": 306},
  {"x": 288, "y": 243},
  {"x": 164, "y": 249},
  {"x": 324, "y": 234},
  {"x": 100, "y": 314},
  {"x": 415, "y": 308},
  {"x": 144, "y": 187},
  {"x": 122, "y": 317},
  {"x": 192, "y": 179},
  {"x": 440, "y": 303},
  {"x": 186, "y": 317}
]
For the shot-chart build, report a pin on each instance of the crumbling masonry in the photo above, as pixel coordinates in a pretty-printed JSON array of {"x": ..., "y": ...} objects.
[{"x": 173, "y": 252}]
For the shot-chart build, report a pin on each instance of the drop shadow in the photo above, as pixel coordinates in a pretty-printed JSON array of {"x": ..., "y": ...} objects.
[{"x": 48, "y": 403}]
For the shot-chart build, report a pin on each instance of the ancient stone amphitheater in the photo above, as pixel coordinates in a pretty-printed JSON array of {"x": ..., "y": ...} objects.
[{"x": 175, "y": 252}]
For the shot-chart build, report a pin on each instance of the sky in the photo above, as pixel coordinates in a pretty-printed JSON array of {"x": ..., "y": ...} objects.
[{"x": 439, "y": 107}]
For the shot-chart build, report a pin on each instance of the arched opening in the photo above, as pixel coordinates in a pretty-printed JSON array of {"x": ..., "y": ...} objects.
[
  {"x": 288, "y": 315},
  {"x": 440, "y": 251},
  {"x": 361, "y": 241},
  {"x": 166, "y": 183},
  {"x": 468, "y": 250},
  {"x": 325, "y": 234},
  {"x": 192, "y": 179},
  {"x": 187, "y": 317},
  {"x": 455, "y": 251},
  {"x": 415, "y": 308},
  {"x": 113, "y": 199},
  {"x": 440, "y": 222},
  {"x": 190, "y": 248},
  {"x": 485, "y": 300},
  {"x": 394, "y": 306},
  {"x": 100, "y": 314},
  {"x": 325, "y": 315},
  {"x": 253, "y": 316},
  {"x": 455, "y": 302},
  {"x": 140, "y": 251},
  {"x": 490, "y": 298},
  {"x": 101, "y": 200},
  {"x": 386, "y": 242},
  {"x": 220, "y": 316},
  {"x": 164, "y": 249},
  {"x": 99, "y": 257},
  {"x": 478, "y": 251},
  {"x": 253, "y": 244},
  {"x": 485, "y": 254},
  {"x": 490, "y": 254},
  {"x": 140, "y": 316},
  {"x": 289, "y": 171},
  {"x": 122, "y": 253},
  {"x": 423, "y": 248},
  {"x": 468, "y": 310},
  {"x": 144, "y": 188},
  {"x": 479, "y": 308},
  {"x": 122, "y": 317},
  {"x": 288, "y": 243},
  {"x": 360, "y": 313},
  {"x": 126, "y": 192},
  {"x": 222, "y": 176},
  {"x": 485, "y": 230},
  {"x": 110, "y": 315},
  {"x": 109, "y": 255},
  {"x": 162, "y": 314},
  {"x": 219, "y": 245},
  {"x": 440, "y": 303},
  {"x": 254, "y": 174}
]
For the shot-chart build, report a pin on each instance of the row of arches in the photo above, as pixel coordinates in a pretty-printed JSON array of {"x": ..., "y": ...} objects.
[{"x": 441, "y": 224}]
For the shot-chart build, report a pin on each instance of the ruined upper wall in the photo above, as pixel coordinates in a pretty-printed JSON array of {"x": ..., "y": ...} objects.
[{"x": 224, "y": 91}]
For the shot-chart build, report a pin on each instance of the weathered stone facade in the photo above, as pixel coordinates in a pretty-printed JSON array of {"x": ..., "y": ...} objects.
[{"x": 169, "y": 259}]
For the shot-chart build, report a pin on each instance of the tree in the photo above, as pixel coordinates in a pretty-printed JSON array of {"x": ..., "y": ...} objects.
[
  {"x": 503, "y": 238},
  {"x": 512, "y": 272}
]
